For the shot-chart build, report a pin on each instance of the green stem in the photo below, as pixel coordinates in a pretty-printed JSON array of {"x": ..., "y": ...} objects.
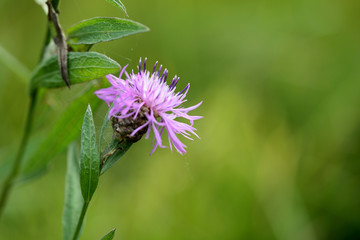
[
  {"x": 81, "y": 220},
  {"x": 47, "y": 40},
  {"x": 10, "y": 180}
]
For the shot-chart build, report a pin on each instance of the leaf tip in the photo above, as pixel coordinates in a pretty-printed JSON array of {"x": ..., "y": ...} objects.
[
  {"x": 110, "y": 235},
  {"x": 119, "y": 4},
  {"x": 88, "y": 113}
]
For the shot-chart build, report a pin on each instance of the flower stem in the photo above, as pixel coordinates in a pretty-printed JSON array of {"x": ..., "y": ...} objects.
[
  {"x": 10, "y": 180},
  {"x": 81, "y": 220}
]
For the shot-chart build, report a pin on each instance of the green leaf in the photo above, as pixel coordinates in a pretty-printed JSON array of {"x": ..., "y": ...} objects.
[
  {"x": 79, "y": 47},
  {"x": 83, "y": 67},
  {"x": 65, "y": 130},
  {"x": 114, "y": 151},
  {"x": 89, "y": 157},
  {"x": 73, "y": 199},
  {"x": 109, "y": 236},
  {"x": 102, "y": 29},
  {"x": 9, "y": 61},
  {"x": 55, "y": 4},
  {"x": 7, "y": 161},
  {"x": 118, "y": 3},
  {"x": 103, "y": 127}
]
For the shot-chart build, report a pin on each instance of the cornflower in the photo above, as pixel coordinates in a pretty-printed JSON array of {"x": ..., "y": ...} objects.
[{"x": 143, "y": 102}]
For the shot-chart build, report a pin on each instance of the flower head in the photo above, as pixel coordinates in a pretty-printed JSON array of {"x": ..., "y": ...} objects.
[{"x": 146, "y": 102}]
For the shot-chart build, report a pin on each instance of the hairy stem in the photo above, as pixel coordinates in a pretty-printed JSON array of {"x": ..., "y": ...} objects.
[
  {"x": 10, "y": 180},
  {"x": 81, "y": 220}
]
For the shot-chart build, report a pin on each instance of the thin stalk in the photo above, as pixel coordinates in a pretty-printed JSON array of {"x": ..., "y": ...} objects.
[
  {"x": 10, "y": 180},
  {"x": 81, "y": 220}
]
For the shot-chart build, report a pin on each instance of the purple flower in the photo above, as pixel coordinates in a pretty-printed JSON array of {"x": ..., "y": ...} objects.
[{"x": 145, "y": 90}]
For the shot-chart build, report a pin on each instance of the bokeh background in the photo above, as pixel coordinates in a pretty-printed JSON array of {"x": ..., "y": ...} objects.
[{"x": 279, "y": 155}]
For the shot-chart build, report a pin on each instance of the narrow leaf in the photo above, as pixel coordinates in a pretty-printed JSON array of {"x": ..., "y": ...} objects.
[
  {"x": 9, "y": 154},
  {"x": 89, "y": 157},
  {"x": 73, "y": 199},
  {"x": 102, "y": 130},
  {"x": 114, "y": 151},
  {"x": 109, "y": 236},
  {"x": 9, "y": 61},
  {"x": 7, "y": 161},
  {"x": 83, "y": 67},
  {"x": 65, "y": 130},
  {"x": 55, "y": 3},
  {"x": 103, "y": 29},
  {"x": 118, "y": 3}
]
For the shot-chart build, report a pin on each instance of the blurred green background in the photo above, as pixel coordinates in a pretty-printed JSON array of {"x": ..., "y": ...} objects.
[{"x": 280, "y": 138}]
